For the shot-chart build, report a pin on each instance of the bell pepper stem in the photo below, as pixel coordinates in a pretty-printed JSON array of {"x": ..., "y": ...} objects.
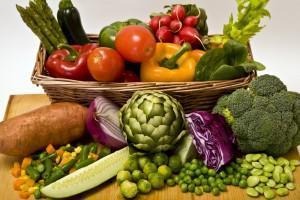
[
  {"x": 171, "y": 63},
  {"x": 73, "y": 54}
]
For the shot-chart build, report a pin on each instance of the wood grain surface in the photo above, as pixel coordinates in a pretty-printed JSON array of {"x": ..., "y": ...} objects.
[{"x": 19, "y": 104}]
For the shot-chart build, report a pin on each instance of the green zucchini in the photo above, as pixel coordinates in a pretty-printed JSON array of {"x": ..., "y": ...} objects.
[
  {"x": 87, "y": 177},
  {"x": 70, "y": 22}
]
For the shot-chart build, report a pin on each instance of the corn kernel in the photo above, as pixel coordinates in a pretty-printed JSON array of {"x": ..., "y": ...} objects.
[
  {"x": 73, "y": 154},
  {"x": 77, "y": 149}
]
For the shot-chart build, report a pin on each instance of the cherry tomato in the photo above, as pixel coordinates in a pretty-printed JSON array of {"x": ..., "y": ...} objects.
[
  {"x": 135, "y": 43},
  {"x": 105, "y": 64}
]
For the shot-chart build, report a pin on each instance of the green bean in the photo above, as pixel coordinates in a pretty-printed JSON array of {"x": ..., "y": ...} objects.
[
  {"x": 280, "y": 185},
  {"x": 249, "y": 157},
  {"x": 259, "y": 189},
  {"x": 290, "y": 186},
  {"x": 93, "y": 148},
  {"x": 256, "y": 172},
  {"x": 256, "y": 157},
  {"x": 282, "y": 161},
  {"x": 289, "y": 172},
  {"x": 269, "y": 194},
  {"x": 257, "y": 165},
  {"x": 50, "y": 156},
  {"x": 263, "y": 179},
  {"x": 268, "y": 174},
  {"x": 284, "y": 178},
  {"x": 265, "y": 188},
  {"x": 66, "y": 167},
  {"x": 32, "y": 173},
  {"x": 84, "y": 153},
  {"x": 48, "y": 168},
  {"x": 55, "y": 175},
  {"x": 268, "y": 167},
  {"x": 252, "y": 192},
  {"x": 263, "y": 161},
  {"x": 84, "y": 163},
  {"x": 276, "y": 173},
  {"x": 272, "y": 160},
  {"x": 252, "y": 181},
  {"x": 282, "y": 192},
  {"x": 68, "y": 148},
  {"x": 271, "y": 183},
  {"x": 247, "y": 166}
]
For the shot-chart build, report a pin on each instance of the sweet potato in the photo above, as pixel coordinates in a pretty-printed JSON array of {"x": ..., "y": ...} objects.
[{"x": 57, "y": 124}]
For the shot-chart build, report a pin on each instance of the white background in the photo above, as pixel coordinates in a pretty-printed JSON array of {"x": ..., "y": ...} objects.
[{"x": 277, "y": 46}]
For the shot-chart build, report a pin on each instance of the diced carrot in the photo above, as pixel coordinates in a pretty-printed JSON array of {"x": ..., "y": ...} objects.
[
  {"x": 24, "y": 194},
  {"x": 30, "y": 182},
  {"x": 16, "y": 170},
  {"x": 17, "y": 184},
  {"x": 24, "y": 187},
  {"x": 60, "y": 152},
  {"x": 26, "y": 162},
  {"x": 50, "y": 149},
  {"x": 64, "y": 161}
]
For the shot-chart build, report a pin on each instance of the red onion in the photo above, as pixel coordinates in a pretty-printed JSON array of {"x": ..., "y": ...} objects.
[{"x": 103, "y": 123}]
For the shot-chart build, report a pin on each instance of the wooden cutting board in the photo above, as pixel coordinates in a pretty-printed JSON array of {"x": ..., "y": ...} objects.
[{"x": 19, "y": 104}]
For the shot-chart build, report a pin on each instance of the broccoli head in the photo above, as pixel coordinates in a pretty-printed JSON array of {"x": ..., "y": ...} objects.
[{"x": 264, "y": 118}]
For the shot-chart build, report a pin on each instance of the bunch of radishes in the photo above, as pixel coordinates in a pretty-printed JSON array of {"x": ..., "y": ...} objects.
[{"x": 176, "y": 27}]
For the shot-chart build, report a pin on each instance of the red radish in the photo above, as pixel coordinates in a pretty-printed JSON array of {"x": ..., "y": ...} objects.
[
  {"x": 178, "y": 12},
  {"x": 190, "y": 35},
  {"x": 154, "y": 23},
  {"x": 177, "y": 40},
  {"x": 175, "y": 25},
  {"x": 165, "y": 20},
  {"x": 164, "y": 34},
  {"x": 191, "y": 21}
]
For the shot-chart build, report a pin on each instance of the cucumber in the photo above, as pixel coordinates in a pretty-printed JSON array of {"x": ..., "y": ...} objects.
[{"x": 87, "y": 177}]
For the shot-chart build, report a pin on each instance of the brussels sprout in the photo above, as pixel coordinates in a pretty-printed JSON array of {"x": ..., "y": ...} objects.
[
  {"x": 165, "y": 171},
  {"x": 128, "y": 189},
  {"x": 123, "y": 176},
  {"x": 137, "y": 175},
  {"x": 131, "y": 164},
  {"x": 142, "y": 161},
  {"x": 160, "y": 159},
  {"x": 149, "y": 168},
  {"x": 175, "y": 163},
  {"x": 156, "y": 180},
  {"x": 144, "y": 186}
]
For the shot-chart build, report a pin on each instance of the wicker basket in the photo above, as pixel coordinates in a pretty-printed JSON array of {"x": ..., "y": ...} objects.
[{"x": 192, "y": 95}]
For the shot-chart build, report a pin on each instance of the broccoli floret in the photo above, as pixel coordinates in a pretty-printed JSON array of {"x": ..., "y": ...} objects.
[
  {"x": 264, "y": 117},
  {"x": 267, "y": 85}
]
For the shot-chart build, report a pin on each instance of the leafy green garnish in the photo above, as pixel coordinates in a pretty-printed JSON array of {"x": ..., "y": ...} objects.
[
  {"x": 248, "y": 23},
  {"x": 229, "y": 62}
]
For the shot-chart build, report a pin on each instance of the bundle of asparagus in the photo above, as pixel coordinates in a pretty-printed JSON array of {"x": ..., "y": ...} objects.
[{"x": 39, "y": 18}]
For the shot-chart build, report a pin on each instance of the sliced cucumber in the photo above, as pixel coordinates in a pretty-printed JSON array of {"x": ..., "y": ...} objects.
[{"x": 87, "y": 177}]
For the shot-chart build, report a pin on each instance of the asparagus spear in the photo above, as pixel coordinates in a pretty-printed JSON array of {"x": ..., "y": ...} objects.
[
  {"x": 35, "y": 29},
  {"x": 48, "y": 12},
  {"x": 43, "y": 26}
]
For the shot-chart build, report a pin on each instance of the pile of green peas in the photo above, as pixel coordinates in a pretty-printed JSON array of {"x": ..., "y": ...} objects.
[
  {"x": 197, "y": 178},
  {"x": 269, "y": 176}
]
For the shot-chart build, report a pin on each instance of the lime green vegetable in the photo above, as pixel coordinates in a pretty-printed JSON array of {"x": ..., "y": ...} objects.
[
  {"x": 149, "y": 168},
  {"x": 123, "y": 176},
  {"x": 131, "y": 164},
  {"x": 160, "y": 159},
  {"x": 175, "y": 163},
  {"x": 142, "y": 161},
  {"x": 144, "y": 186},
  {"x": 137, "y": 175},
  {"x": 156, "y": 180},
  {"x": 128, "y": 189},
  {"x": 165, "y": 171}
]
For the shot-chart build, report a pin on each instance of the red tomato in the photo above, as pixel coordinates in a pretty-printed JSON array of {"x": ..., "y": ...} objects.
[
  {"x": 135, "y": 43},
  {"x": 105, "y": 64}
]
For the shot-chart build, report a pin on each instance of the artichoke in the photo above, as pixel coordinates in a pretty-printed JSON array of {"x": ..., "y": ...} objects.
[{"x": 152, "y": 121}]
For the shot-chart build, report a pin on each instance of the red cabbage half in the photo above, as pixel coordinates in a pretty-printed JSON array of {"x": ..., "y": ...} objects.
[{"x": 212, "y": 138}]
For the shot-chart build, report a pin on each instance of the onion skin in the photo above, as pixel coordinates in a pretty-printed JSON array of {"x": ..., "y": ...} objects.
[{"x": 99, "y": 131}]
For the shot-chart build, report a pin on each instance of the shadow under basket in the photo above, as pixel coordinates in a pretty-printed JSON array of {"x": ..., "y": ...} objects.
[{"x": 192, "y": 95}]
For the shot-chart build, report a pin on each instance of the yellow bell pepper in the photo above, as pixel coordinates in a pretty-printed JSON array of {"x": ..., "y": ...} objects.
[{"x": 171, "y": 63}]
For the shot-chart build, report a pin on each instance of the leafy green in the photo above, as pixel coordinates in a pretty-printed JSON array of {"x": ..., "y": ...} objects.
[{"x": 229, "y": 62}]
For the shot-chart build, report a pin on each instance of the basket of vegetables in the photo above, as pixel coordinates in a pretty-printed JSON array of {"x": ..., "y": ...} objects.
[{"x": 173, "y": 53}]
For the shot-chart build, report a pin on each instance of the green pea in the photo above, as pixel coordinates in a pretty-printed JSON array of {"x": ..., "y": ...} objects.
[
  {"x": 259, "y": 189},
  {"x": 269, "y": 194},
  {"x": 263, "y": 179},
  {"x": 171, "y": 182},
  {"x": 249, "y": 157},
  {"x": 284, "y": 178},
  {"x": 191, "y": 187},
  {"x": 272, "y": 160},
  {"x": 204, "y": 181},
  {"x": 187, "y": 165},
  {"x": 271, "y": 183},
  {"x": 295, "y": 162},
  {"x": 198, "y": 190},
  {"x": 239, "y": 160},
  {"x": 223, "y": 174},
  {"x": 263, "y": 161},
  {"x": 204, "y": 170},
  {"x": 187, "y": 179},
  {"x": 216, "y": 191},
  {"x": 252, "y": 192},
  {"x": 201, "y": 176},
  {"x": 252, "y": 181},
  {"x": 176, "y": 179},
  {"x": 257, "y": 165},
  {"x": 247, "y": 166},
  {"x": 237, "y": 175},
  {"x": 282, "y": 192},
  {"x": 180, "y": 182},
  {"x": 211, "y": 172},
  {"x": 235, "y": 166},
  {"x": 193, "y": 167},
  {"x": 227, "y": 181},
  {"x": 229, "y": 170},
  {"x": 198, "y": 172},
  {"x": 268, "y": 167},
  {"x": 181, "y": 175},
  {"x": 190, "y": 173},
  {"x": 280, "y": 185},
  {"x": 213, "y": 184},
  {"x": 197, "y": 181},
  {"x": 184, "y": 187},
  {"x": 206, "y": 188},
  {"x": 211, "y": 179},
  {"x": 276, "y": 173},
  {"x": 235, "y": 181},
  {"x": 290, "y": 186},
  {"x": 289, "y": 172},
  {"x": 256, "y": 172},
  {"x": 219, "y": 180},
  {"x": 282, "y": 161},
  {"x": 243, "y": 183},
  {"x": 222, "y": 187}
]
